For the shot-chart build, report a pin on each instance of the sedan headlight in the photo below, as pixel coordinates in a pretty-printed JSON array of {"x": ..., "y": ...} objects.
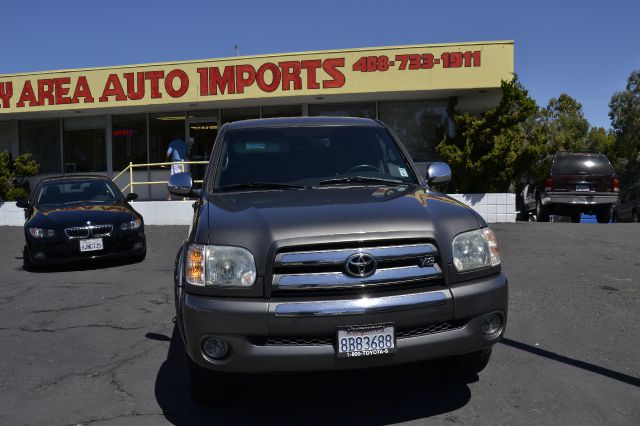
[
  {"x": 220, "y": 266},
  {"x": 132, "y": 225},
  {"x": 475, "y": 250},
  {"x": 42, "y": 233}
]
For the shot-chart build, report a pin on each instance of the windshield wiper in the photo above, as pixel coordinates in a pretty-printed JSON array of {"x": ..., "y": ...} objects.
[
  {"x": 261, "y": 185},
  {"x": 362, "y": 179}
]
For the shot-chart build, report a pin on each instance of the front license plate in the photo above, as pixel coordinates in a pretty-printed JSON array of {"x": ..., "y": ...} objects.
[
  {"x": 91, "y": 244},
  {"x": 582, "y": 187},
  {"x": 366, "y": 340}
]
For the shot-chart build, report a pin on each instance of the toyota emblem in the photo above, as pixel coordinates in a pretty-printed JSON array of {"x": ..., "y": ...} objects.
[{"x": 360, "y": 265}]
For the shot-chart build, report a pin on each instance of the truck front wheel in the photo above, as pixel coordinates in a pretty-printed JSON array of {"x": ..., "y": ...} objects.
[
  {"x": 197, "y": 379},
  {"x": 469, "y": 364}
]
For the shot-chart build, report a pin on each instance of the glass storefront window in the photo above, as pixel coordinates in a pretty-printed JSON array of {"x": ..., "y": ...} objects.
[
  {"x": 84, "y": 144},
  {"x": 163, "y": 128},
  {"x": 363, "y": 110},
  {"x": 282, "y": 111},
  {"x": 42, "y": 139},
  {"x": 417, "y": 124},
  {"x": 235, "y": 114},
  {"x": 128, "y": 140}
]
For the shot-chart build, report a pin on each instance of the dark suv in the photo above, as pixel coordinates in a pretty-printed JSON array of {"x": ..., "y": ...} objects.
[
  {"x": 317, "y": 245},
  {"x": 628, "y": 206},
  {"x": 571, "y": 183}
]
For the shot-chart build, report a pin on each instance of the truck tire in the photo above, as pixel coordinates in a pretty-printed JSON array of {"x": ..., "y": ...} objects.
[
  {"x": 604, "y": 216},
  {"x": 542, "y": 212},
  {"x": 198, "y": 380},
  {"x": 469, "y": 364}
]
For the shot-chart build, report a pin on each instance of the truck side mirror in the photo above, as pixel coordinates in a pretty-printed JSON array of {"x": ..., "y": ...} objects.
[
  {"x": 181, "y": 184},
  {"x": 132, "y": 196},
  {"x": 438, "y": 173}
]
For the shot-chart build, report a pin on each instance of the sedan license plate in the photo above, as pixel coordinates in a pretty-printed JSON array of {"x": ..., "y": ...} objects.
[
  {"x": 366, "y": 340},
  {"x": 582, "y": 188},
  {"x": 92, "y": 244}
]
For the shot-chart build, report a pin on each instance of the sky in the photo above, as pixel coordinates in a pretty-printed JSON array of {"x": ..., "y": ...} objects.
[{"x": 586, "y": 49}]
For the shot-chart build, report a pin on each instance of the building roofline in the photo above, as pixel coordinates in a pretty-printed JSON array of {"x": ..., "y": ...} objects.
[{"x": 270, "y": 55}]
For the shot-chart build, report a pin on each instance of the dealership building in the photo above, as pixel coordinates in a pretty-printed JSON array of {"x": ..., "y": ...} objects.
[{"x": 99, "y": 120}]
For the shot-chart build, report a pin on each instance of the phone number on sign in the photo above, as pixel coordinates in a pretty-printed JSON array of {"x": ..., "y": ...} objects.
[{"x": 418, "y": 61}]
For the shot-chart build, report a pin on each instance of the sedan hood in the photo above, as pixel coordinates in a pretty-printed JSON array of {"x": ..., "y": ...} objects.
[
  {"x": 79, "y": 215},
  {"x": 263, "y": 221}
]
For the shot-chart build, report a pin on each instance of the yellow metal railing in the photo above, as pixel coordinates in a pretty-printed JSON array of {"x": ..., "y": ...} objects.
[{"x": 131, "y": 166}]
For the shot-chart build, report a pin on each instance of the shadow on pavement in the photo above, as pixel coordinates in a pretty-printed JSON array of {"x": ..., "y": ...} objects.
[
  {"x": 615, "y": 375},
  {"x": 379, "y": 396},
  {"x": 84, "y": 265}
]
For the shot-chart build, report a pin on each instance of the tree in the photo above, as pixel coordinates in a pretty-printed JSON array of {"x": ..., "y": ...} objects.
[
  {"x": 564, "y": 126},
  {"x": 490, "y": 151},
  {"x": 600, "y": 140},
  {"x": 14, "y": 184},
  {"x": 625, "y": 121}
]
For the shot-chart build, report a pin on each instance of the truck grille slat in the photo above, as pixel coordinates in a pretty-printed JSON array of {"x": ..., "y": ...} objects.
[{"x": 401, "y": 333}]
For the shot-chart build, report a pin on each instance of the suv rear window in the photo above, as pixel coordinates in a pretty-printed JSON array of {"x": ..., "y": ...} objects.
[{"x": 582, "y": 165}]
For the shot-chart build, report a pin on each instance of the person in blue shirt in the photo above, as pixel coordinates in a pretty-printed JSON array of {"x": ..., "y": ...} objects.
[{"x": 176, "y": 153}]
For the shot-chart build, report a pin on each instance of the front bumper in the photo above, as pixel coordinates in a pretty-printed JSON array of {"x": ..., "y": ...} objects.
[
  {"x": 580, "y": 198},
  {"x": 62, "y": 250},
  {"x": 246, "y": 324}
]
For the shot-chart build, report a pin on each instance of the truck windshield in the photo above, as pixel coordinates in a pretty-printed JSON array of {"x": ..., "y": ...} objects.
[{"x": 306, "y": 156}]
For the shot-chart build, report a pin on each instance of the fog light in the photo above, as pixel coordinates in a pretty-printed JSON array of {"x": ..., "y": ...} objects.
[
  {"x": 492, "y": 325},
  {"x": 39, "y": 255},
  {"x": 215, "y": 347},
  {"x": 137, "y": 246}
]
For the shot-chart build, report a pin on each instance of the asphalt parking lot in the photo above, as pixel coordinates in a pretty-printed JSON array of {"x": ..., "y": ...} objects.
[{"x": 97, "y": 346}]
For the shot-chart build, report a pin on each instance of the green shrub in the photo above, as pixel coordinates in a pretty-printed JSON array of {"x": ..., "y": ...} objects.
[{"x": 14, "y": 183}]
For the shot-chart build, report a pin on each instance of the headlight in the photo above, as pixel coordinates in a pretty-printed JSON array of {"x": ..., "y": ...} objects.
[
  {"x": 42, "y": 233},
  {"x": 475, "y": 250},
  {"x": 131, "y": 225},
  {"x": 220, "y": 266}
]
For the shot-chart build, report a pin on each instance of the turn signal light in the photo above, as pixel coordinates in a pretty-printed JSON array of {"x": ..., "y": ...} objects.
[
  {"x": 616, "y": 185},
  {"x": 195, "y": 265}
]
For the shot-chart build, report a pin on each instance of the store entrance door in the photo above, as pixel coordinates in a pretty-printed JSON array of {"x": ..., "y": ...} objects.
[{"x": 201, "y": 133}]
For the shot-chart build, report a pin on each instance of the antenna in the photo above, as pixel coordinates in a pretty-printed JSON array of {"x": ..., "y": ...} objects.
[{"x": 236, "y": 50}]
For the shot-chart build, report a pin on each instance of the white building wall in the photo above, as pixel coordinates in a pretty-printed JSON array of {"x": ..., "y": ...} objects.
[{"x": 495, "y": 208}]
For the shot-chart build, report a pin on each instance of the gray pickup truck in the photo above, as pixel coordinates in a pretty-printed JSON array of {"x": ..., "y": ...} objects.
[{"x": 317, "y": 244}]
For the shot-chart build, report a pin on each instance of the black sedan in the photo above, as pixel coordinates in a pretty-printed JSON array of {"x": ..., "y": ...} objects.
[{"x": 71, "y": 218}]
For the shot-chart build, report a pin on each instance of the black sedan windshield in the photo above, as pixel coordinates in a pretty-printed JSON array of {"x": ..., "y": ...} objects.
[
  {"x": 305, "y": 156},
  {"x": 76, "y": 192}
]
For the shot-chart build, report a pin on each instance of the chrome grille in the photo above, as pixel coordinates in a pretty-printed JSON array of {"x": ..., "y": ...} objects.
[
  {"x": 88, "y": 231},
  {"x": 327, "y": 270}
]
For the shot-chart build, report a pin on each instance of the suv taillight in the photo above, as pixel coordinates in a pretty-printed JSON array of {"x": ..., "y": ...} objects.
[
  {"x": 548, "y": 184},
  {"x": 616, "y": 185}
]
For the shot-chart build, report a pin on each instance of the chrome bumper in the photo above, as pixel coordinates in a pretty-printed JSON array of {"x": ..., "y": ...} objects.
[
  {"x": 242, "y": 321},
  {"x": 361, "y": 306},
  {"x": 580, "y": 198}
]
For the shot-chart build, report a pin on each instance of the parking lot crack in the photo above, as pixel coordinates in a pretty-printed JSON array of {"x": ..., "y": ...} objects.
[
  {"x": 132, "y": 414},
  {"x": 53, "y": 330}
]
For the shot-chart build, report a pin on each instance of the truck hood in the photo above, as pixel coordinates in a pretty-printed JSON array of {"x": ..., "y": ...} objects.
[{"x": 263, "y": 221}]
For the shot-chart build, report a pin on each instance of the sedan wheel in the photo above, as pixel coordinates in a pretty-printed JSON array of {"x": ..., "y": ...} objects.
[{"x": 27, "y": 264}]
